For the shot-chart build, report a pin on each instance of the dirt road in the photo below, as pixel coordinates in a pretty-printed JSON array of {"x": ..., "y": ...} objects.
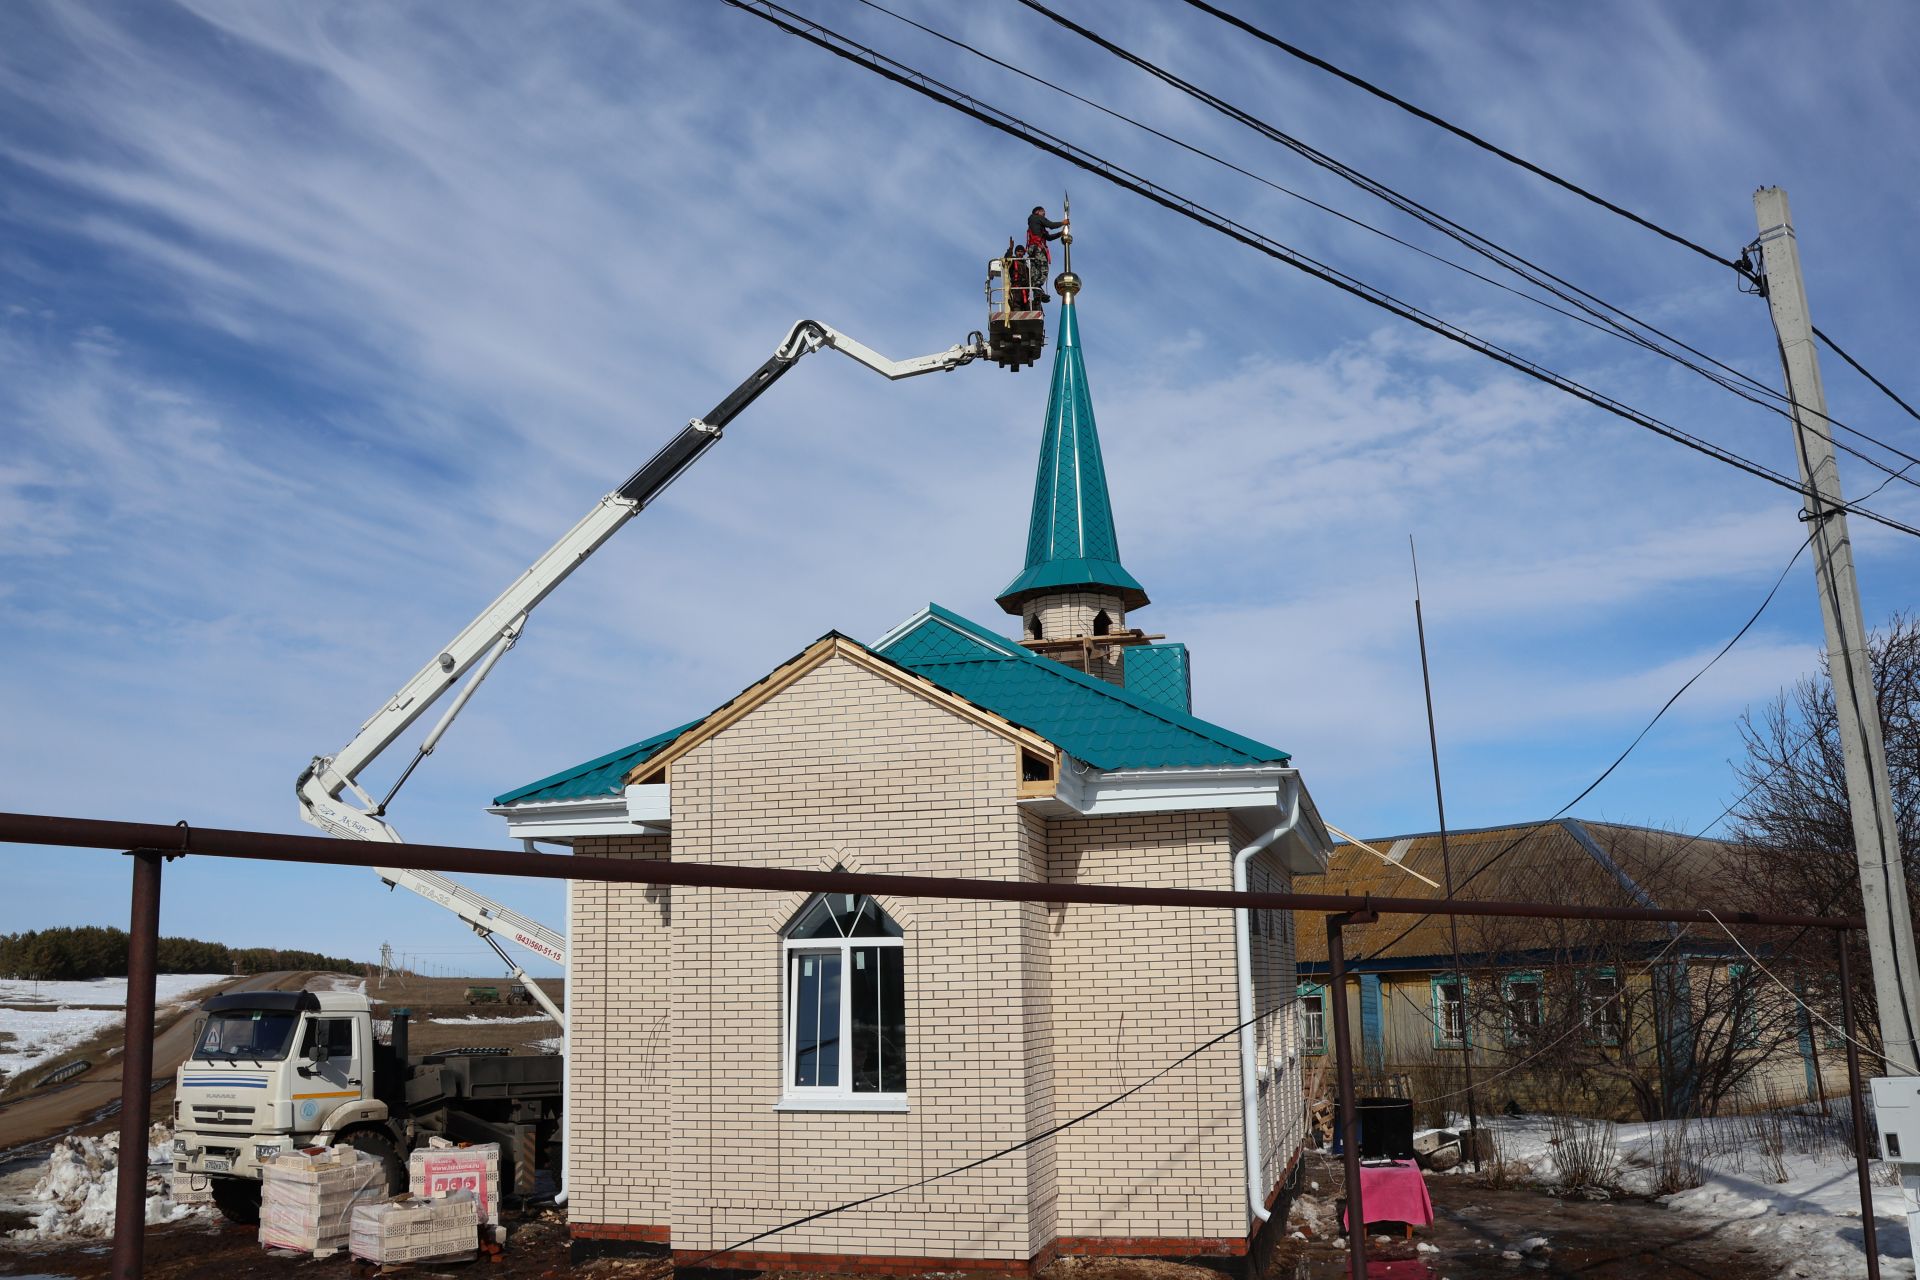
[{"x": 89, "y": 1104}]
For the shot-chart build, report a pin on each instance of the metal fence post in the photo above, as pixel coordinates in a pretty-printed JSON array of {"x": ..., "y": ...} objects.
[
  {"x": 1869, "y": 1233},
  {"x": 1348, "y": 1112},
  {"x": 136, "y": 1070}
]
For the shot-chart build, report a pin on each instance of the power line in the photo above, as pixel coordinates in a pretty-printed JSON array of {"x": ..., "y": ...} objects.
[
  {"x": 1003, "y": 1152},
  {"x": 1564, "y": 183},
  {"x": 1862, "y": 370},
  {"x": 891, "y": 69},
  {"x": 1528, "y": 270},
  {"x": 1589, "y": 789},
  {"x": 1223, "y": 162},
  {"x": 1478, "y": 141}
]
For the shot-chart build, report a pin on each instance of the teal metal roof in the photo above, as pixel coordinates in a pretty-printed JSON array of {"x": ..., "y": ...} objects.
[
  {"x": 1102, "y": 724},
  {"x": 1070, "y": 542},
  {"x": 601, "y": 776},
  {"x": 1159, "y": 673}
]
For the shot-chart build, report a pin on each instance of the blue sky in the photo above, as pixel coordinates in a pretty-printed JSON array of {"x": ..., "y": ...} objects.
[{"x": 317, "y": 323}]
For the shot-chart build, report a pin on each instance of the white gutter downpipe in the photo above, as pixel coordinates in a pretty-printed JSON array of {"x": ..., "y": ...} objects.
[
  {"x": 566, "y": 1059},
  {"x": 1243, "y": 961}
]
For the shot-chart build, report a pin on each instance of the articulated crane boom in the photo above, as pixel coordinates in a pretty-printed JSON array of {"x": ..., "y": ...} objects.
[{"x": 485, "y": 640}]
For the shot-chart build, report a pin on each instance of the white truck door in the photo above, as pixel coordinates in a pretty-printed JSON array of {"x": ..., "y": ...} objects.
[{"x": 328, "y": 1071}]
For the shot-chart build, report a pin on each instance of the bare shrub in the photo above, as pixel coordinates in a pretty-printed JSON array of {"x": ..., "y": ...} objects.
[
  {"x": 1765, "y": 1129},
  {"x": 1678, "y": 1164},
  {"x": 1585, "y": 1151},
  {"x": 1500, "y": 1170}
]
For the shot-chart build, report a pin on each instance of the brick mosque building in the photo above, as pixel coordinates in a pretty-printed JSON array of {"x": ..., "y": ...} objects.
[{"x": 740, "y": 1060}]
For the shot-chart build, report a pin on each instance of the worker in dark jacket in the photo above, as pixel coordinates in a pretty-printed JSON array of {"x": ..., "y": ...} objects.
[{"x": 1039, "y": 231}]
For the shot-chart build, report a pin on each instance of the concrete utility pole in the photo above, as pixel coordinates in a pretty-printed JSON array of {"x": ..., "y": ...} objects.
[{"x": 1876, "y": 841}]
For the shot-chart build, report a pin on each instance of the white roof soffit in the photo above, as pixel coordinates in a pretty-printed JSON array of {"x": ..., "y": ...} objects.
[
  {"x": 561, "y": 821},
  {"x": 1259, "y": 794}
]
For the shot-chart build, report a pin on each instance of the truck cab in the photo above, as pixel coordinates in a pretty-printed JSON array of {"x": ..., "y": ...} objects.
[{"x": 274, "y": 1071}]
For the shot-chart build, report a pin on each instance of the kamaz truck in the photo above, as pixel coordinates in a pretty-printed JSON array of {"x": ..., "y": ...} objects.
[{"x": 275, "y": 1071}]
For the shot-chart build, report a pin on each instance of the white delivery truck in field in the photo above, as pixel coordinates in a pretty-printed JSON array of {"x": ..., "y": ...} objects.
[{"x": 275, "y": 1071}]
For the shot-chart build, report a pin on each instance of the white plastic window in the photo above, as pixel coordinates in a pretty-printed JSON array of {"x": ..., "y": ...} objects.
[{"x": 846, "y": 1006}]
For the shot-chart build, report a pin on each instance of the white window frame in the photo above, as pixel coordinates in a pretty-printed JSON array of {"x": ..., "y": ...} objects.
[
  {"x": 833, "y": 1097},
  {"x": 1313, "y": 991}
]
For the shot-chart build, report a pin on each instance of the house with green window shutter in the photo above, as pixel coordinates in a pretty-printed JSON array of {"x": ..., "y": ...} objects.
[{"x": 739, "y": 1061}]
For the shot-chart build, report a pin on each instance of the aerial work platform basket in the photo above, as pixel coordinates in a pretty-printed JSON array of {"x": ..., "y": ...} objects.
[{"x": 1016, "y": 323}]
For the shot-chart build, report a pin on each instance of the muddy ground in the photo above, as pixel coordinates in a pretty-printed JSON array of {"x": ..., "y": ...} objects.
[{"x": 1475, "y": 1226}]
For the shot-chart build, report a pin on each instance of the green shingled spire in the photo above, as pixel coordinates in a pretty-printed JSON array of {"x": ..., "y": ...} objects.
[{"x": 1071, "y": 544}]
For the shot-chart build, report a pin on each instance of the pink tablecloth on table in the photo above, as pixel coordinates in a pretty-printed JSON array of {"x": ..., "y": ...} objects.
[{"x": 1394, "y": 1193}]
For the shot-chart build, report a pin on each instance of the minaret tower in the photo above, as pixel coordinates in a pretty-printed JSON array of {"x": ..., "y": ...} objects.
[{"x": 1074, "y": 594}]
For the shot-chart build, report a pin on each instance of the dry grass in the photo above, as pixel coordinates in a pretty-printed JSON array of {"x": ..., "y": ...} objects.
[{"x": 430, "y": 998}]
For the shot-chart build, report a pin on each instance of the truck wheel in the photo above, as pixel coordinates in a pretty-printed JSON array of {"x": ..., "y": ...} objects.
[
  {"x": 381, "y": 1148},
  {"x": 238, "y": 1200}
]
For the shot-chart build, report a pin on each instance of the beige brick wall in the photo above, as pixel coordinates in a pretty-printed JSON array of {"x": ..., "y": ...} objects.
[
  {"x": 1041, "y": 1044},
  {"x": 846, "y": 767},
  {"x": 1070, "y": 614},
  {"x": 619, "y": 1042},
  {"x": 1133, "y": 989},
  {"x": 1019, "y": 1015}
]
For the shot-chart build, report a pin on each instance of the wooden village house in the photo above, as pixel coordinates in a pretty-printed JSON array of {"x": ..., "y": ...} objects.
[
  {"x": 739, "y": 1060},
  {"x": 1633, "y": 1020}
]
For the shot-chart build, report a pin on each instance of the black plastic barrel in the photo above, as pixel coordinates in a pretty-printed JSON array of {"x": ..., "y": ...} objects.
[{"x": 1386, "y": 1129}]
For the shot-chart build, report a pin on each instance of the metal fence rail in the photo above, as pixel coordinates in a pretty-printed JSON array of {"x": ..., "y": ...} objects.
[{"x": 152, "y": 844}]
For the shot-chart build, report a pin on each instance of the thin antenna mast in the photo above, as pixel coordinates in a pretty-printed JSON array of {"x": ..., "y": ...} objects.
[{"x": 1446, "y": 872}]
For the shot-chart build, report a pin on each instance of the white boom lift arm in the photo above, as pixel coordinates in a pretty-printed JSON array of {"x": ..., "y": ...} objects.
[{"x": 482, "y": 643}]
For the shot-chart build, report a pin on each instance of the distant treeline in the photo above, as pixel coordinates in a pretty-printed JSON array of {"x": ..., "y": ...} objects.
[{"x": 91, "y": 951}]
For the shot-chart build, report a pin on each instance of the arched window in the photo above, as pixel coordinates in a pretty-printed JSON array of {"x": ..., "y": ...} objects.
[
  {"x": 1033, "y": 627},
  {"x": 1102, "y": 624},
  {"x": 846, "y": 1002}
]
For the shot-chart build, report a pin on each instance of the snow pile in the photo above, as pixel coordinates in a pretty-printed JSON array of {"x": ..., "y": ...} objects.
[
  {"x": 552, "y": 1044},
  {"x": 1808, "y": 1221},
  {"x": 1812, "y": 1219},
  {"x": 74, "y": 1195},
  {"x": 477, "y": 1020}
]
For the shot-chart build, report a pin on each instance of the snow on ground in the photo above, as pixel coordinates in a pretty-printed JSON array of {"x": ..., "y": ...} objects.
[
  {"x": 480, "y": 1020},
  {"x": 1809, "y": 1221},
  {"x": 551, "y": 1044},
  {"x": 46, "y": 1019},
  {"x": 338, "y": 982},
  {"x": 168, "y": 989},
  {"x": 73, "y": 1197}
]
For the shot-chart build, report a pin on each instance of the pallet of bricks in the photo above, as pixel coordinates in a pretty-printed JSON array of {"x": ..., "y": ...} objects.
[
  {"x": 441, "y": 1167},
  {"x": 453, "y": 1194},
  {"x": 405, "y": 1229},
  {"x": 307, "y": 1198}
]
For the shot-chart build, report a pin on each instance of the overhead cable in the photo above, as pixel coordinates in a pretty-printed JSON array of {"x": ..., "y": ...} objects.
[
  {"x": 888, "y": 68},
  {"x": 1566, "y": 184},
  {"x": 1607, "y": 772},
  {"x": 1753, "y": 390},
  {"x": 1474, "y": 138}
]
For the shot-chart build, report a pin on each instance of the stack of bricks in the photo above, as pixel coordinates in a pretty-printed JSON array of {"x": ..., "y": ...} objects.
[
  {"x": 409, "y": 1230},
  {"x": 307, "y": 1199},
  {"x": 441, "y": 1169}
]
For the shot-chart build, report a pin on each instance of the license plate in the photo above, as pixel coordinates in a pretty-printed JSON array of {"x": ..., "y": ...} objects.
[{"x": 219, "y": 1166}]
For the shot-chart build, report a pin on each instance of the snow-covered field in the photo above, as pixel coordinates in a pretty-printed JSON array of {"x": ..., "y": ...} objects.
[
  {"x": 1809, "y": 1221},
  {"x": 46, "y": 1019},
  {"x": 477, "y": 1020}
]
